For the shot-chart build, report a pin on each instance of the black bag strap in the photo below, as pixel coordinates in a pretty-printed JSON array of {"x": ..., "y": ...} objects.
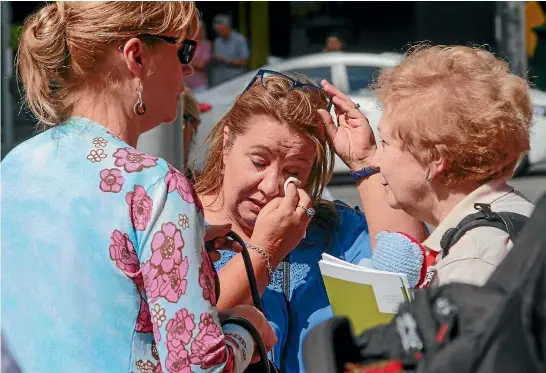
[
  {"x": 510, "y": 222},
  {"x": 266, "y": 365}
]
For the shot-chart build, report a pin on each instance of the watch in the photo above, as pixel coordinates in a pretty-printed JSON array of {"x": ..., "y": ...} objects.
[{"x": 363, "y": 173}]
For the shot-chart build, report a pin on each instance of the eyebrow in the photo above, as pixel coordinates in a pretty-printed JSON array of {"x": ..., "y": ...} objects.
[{"x": 263, "y": 147}]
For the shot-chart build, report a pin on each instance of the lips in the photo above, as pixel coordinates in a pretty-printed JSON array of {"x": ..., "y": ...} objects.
[{"x": 255, "y": 203}]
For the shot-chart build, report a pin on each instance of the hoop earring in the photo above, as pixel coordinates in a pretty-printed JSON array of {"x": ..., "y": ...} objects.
[{"x": 140, "y": 108}]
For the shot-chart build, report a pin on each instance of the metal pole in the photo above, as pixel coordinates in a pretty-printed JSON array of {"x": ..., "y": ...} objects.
[
  {"x": 510, "y": 34},
  {"x": 6, "y": 68}
]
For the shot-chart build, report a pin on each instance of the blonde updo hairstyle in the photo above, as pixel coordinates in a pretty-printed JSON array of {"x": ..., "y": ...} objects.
[
  {"x": 63, "y": 47},
  {"x": 462, "y": 104}
]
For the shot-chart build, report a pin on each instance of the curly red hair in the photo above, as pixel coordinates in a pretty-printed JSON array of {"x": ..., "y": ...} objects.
[{"x": 461, "y": 104}]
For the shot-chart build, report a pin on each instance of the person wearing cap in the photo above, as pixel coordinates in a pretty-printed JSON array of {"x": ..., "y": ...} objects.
[{"x": 230, "y": 50}]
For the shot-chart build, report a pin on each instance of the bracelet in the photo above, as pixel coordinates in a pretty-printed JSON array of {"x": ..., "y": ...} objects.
[{"x": 266, "y": 259}]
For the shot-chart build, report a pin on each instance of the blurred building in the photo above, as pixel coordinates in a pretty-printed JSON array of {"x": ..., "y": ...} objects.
[{"x": 285, "y": 29}]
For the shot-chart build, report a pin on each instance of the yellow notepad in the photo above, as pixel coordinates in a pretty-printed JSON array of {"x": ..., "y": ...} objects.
[{"x": 366, "y": 296}]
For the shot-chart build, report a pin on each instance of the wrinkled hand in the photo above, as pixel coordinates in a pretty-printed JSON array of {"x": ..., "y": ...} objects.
[
  {"x": 352, "y": 139},
  {"x": 281, "y": 224},
  {"x": 259, "y": 321},
  {"x": 215, "y": 239}
]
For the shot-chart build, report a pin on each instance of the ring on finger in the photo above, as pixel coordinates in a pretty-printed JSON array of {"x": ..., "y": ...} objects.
[
  {"x": 357, "y": 106},
  {"x": 310, "y": 212}
]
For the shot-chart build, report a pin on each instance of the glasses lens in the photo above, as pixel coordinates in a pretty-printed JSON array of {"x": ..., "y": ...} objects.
[
  {"x": 277, "y": 82},
  {"x": 281, "y": 84},
  {"x": 187, "y": 51}
]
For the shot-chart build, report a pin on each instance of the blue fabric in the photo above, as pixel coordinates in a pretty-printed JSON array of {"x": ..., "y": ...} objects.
[
  {"x": 395, "y": 252},
  {"x": 103, "y": 265},
  {"x": 309, "y": 303},
  {"x": 234, "y": 48}
]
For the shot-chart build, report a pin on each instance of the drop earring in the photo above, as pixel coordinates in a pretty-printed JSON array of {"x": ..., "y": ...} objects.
[
  {"x": 428, "y": 175},
  {"x": 140, "y": 108}
]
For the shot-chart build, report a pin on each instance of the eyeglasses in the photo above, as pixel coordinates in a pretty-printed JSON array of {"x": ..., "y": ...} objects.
[
  {"x": 186, "y": 51},
  {"x": 263, "y": 75},
  {"x": 190, "y": 118}
]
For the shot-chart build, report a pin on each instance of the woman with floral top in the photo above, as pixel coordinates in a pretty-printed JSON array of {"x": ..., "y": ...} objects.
[{"x": 103, "y": 263}]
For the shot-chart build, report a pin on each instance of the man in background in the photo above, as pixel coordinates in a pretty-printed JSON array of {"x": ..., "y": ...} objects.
[
  {"x": 333, "y": 44},
  {"x": 230, "y": 50}
]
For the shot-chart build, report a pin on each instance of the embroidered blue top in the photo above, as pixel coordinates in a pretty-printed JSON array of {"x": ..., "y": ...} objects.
[
  {"x": 103, "y": 266},
  {"x": 307, "y": 304}
]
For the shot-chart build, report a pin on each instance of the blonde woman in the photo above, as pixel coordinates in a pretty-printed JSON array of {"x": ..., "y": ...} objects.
[{"x": 103, "y": 266}]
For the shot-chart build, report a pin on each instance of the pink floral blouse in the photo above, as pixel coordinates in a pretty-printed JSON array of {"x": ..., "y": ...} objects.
[{"x": 109, "y": 243}]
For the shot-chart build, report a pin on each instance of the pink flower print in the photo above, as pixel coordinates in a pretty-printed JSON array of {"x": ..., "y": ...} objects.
[
  {"x": 133, "y": 160},
  {"x": 180, "y": 328},
  {"x": 176, "y": 180},
  {"x": 167, "y": 247},
  {"x": 144, "y": 320},
  {"x": 123, "y": 253},
  {"x": 140, "y": 207},
  {"x": 157, "y": 333},
  {"x": 178, "y": 360},
  {"x": 170, "y": 286},
  {"x": 208, "y": 348},
  {"x": 111, "y": 180},
  {"x": 206, "y": 279},
  {"x": 139, "y": 282}
]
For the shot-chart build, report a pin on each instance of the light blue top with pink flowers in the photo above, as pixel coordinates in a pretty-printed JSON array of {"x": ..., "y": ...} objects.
[{"x": 103, "y": 264}]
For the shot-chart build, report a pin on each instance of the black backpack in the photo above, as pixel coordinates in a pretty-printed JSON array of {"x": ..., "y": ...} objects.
[
  {"x": 510, "y": 222},
  {"x": 456, "y": 328}
]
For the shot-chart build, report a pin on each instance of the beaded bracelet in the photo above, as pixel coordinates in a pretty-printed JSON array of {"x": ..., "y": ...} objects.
[{"x": 266, "y": 258}]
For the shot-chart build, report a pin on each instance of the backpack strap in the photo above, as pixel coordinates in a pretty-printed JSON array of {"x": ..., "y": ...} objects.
[{"x": 510, "y": 222}]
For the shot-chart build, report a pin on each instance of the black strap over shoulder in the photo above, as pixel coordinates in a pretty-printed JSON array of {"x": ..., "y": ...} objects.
[{"x": 510, "y": 222}]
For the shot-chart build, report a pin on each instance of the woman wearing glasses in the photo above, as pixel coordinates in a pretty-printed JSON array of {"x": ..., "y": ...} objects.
[
  {"x": 103, "y": 267},
  {"x": 274, "y": 131}
]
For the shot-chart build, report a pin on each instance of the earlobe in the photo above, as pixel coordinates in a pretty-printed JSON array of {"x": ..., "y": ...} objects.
[
  {"x": 436, "y": 168},
  {"x": 225, "y": 139}
]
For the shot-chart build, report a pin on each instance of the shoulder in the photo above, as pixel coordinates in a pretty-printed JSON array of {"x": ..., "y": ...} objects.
[
  {"x": 349, "y": 217},
  {"x": 352, "y": 241},
  {"x": 237, "y": 36}
]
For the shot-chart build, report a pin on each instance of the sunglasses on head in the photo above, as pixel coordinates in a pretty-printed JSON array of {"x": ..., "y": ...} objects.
[
  {"x": 263, "y": 74},
  {"x": 186, "y": 51}
]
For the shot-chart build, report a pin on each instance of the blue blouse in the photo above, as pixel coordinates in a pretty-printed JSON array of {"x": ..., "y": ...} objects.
[
  {"x": 307, "y": 304},
  {"x": 103, "y": 265}
]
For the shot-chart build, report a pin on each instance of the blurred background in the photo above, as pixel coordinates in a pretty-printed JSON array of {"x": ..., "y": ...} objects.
[{"x": 345, "y": 42}]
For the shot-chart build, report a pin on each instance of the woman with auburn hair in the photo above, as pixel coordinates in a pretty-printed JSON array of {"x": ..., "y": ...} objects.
[
  {"x": 103, "y": 262},
  {"x": 455, "y": 123},
  {"x": 273, "y": 134}
]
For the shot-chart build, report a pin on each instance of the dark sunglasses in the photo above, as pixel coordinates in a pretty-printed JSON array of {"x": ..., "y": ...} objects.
[
  {"x": 190, "y": 118},
  {"x": 186, "y": 51},
  {"x": 262, "y": 75}
]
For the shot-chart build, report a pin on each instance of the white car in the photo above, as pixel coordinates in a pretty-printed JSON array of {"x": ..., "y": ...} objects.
[{"x": 351, "y": 73}]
